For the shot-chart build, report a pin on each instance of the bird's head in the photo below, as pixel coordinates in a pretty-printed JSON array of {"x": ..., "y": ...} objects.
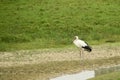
[{"x": 76, "y": 37}]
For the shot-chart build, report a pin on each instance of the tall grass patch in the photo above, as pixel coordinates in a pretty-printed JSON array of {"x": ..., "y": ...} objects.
[{"x": 58, "y": 22}]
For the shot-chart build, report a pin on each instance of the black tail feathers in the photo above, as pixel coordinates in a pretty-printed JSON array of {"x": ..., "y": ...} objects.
[{"x": 87, "y": 48}]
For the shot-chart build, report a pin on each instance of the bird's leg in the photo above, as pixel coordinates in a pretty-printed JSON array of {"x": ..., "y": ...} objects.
[
  {"x": 83, "y": 62},
  {"x": 80, "y": 54},
  {"x": 83, "y": 54},
  {"x": 82, "y": 59}
]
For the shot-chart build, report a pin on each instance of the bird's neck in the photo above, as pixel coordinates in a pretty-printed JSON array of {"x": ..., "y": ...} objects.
[{"x": 77, "y": 38}]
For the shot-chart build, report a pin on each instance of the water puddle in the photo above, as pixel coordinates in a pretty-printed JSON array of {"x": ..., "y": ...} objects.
[
  {"x": 87, "y": 74},
  {"x": 84, "y": 75}
]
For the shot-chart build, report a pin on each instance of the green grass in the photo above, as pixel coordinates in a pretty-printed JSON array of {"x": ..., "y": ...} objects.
[
  {"x": 54, "y": 22},
  {"x": 109, "y": 76}
]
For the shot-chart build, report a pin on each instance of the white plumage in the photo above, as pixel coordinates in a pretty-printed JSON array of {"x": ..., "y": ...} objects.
[{"x": 81, "y": 44}]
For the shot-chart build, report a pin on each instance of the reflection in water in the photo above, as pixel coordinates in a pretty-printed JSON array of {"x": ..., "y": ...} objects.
[{"x": 84, "y": 75}]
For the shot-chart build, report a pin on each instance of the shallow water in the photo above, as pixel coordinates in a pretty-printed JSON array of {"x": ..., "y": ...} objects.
[{"x": 84, "y": 75}]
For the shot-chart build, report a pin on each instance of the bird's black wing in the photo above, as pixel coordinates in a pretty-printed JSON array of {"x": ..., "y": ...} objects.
[{"x": 87, "y": 48}]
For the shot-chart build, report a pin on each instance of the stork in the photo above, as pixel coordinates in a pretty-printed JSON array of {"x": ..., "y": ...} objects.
[{"x": 82, "y": 45}]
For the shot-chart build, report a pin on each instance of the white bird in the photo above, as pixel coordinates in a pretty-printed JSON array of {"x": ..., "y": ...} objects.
[{"x": 82, "y": 45}]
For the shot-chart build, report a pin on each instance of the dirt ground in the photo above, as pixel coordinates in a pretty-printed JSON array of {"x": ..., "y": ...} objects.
[
  {"x": 44, "y": 64},
  {"x": 22, "y": 57}
]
